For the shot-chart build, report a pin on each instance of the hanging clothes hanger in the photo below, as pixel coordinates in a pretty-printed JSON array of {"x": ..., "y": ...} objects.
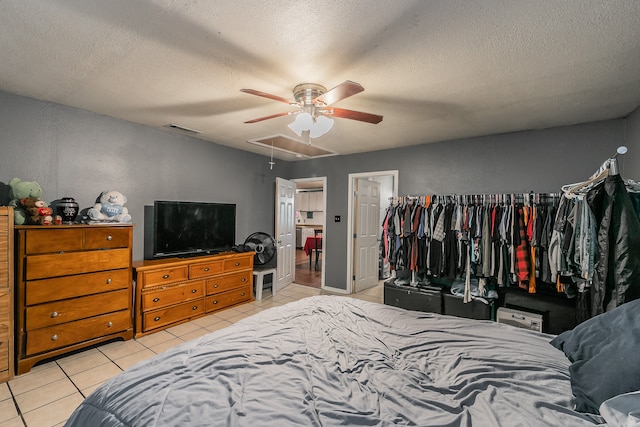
[
  {"x": 574, "y": 190},
  {"x": 608, "y": 168}
]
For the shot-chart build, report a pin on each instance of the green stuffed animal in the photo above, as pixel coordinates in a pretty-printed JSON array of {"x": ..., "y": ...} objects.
[{"x": 19, "y": 190}]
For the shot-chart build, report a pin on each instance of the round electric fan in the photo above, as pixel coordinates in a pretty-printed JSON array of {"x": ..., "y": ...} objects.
[{"x": 263, "y": 245}]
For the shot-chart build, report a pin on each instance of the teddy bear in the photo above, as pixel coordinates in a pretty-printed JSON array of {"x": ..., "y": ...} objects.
[
  {"x": 110, "y": 207},
  {"x": 37, "y": 211},
  {"x": 19, "y": 190}
]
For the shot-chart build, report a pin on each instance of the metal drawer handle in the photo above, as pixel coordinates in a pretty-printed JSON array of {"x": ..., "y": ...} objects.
[
  {"x": 54, "y": 314},
  {"x": 109, "y": 324},
  {"x": 193, "y": 291},
  {"x": 195, "y": 307},
  {"x": 156, "y": 318},
  {"x": 216, "y": 285},
  {"x": 54, "y": 337},
  {"x": 156, "y": 299},
  {"x": 244, "y": 279},
  {"x": 215, "y": 302},
  {"x": 109, "y": 238},
  {"x": 108, "y": 281},
  {"x": 243, "y": 294},
  {"x": 237, "y": 264},
  {"x": 206, "y": 269},
  {"x": 166, "y": 276}
]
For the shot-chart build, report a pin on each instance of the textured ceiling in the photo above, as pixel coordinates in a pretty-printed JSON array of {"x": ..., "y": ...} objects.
[{"x": 436, "y": 70}]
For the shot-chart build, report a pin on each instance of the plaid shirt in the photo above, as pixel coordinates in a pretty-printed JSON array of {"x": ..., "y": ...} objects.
[{"x": 522, "y": 253}]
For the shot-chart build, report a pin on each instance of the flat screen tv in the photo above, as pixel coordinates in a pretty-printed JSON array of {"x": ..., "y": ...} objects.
[{"x": 192, "y": 228}]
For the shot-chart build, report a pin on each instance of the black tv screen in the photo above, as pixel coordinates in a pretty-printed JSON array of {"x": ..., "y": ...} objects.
[{"x": 192, "y": 228}]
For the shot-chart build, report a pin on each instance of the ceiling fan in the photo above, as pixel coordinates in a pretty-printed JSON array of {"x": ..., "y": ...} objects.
[{"x": 316, "y": 101}]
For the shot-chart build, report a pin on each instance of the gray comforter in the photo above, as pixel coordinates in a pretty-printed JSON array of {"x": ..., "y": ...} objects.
[{"x": 337, "y": 361}]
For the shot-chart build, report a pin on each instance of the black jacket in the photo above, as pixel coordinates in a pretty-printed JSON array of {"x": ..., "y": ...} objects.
[{"x": 617, "y": 268}]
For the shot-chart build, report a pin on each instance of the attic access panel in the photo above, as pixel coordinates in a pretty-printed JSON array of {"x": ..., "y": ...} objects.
[{"x": 291, "y": 146}]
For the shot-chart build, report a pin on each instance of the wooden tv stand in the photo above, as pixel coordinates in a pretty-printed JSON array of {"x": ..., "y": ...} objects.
[{"x": 175, "y": 290}]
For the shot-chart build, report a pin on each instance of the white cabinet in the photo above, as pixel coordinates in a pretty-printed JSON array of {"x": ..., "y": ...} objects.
[
  {"x": 302, "y": 201},
  {"x": 315, "y": 201},
  {"x": 309, "y": 201},
  {"x": 306, "y": 232}
]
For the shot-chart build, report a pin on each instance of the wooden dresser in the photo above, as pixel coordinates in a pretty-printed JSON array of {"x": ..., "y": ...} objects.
[
  {"x": 74, "y": 289},
  {"x": 175, "y": 290},
  {"x": 6, "y": 294}
]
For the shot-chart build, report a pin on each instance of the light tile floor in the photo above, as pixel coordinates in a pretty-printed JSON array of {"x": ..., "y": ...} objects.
[{"x": 47, "y": 395}]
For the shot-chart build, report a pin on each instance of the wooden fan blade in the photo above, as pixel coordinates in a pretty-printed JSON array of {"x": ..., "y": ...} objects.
[
  {"x": 267, "y": 95},
  {"x": 342, "y": 91},
  {"x": 273, "y": 116},
  {"x": 354, "y": 115}
]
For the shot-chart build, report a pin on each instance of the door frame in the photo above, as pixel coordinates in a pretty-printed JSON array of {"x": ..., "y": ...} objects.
[
  {"x": 323, "y": 180},
  {"x": 351, "y": 215}
]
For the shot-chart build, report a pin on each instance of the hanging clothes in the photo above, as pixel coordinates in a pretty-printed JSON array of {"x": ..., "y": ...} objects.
[{"x": 452, "y": 237}]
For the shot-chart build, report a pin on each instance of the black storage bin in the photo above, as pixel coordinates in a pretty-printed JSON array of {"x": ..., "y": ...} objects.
[
  {"x": 454, "y": 306},
  {"x": 428, "y": 299},
  {"x": 558, "y": 311}
]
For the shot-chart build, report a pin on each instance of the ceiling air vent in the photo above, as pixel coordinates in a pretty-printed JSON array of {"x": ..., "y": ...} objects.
[
  {"x": 183, "y": 129},
  {"x": 288, "y": 145}
]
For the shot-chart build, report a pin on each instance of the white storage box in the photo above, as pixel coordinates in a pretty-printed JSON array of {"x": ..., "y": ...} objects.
[{"x": 520, "y": 319}]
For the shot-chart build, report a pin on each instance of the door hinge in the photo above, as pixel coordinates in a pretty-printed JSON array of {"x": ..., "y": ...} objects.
[
  {"x": 354, "y": 278},
  {"x": 355, "y": 235}
]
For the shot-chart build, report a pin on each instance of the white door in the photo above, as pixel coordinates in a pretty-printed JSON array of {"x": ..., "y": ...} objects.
[
  {"x": 285, "y": 232},
  {"x": 367, "y": 244}
]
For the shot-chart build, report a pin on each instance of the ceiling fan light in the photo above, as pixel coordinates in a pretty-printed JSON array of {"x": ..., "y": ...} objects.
[
  {"x": 321, "y": 126},
  {"x": 303, "y": 122}
]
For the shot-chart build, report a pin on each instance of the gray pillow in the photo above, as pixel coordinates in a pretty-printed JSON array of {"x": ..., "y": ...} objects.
[{"x": 605, "y": 356}]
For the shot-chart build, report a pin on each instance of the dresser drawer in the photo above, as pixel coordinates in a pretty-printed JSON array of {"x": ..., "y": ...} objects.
[
  {"x": 228, "y": 282},
  {"x": 172, "y": 295},
  {"x": 64, "y": 264},
  {"x": 4, "y": 260},
  {"x": 46, "y": 290},
  {"x": 106, "y": 238},
  {"x": 5, "y": 301},
  {"x": 237, "y": 264},
  {"x": 165, "y": 276},
  {"x": 226, "y": 299},
  {"x": 55, "y": 313},
  {"x": 58, "y": 336},
  {"x": 205, "y": 269},
  {"x": 53, "y": 240},
  {"x": 4, "y": 332},
  {"x": 158, "y": 318},
  {"x": 4, "y": 356}
]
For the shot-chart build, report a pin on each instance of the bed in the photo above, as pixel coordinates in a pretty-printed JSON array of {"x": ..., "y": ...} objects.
[{"x": 339, "y": 361}]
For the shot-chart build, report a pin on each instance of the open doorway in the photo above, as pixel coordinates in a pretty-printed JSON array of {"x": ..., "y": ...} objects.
[
  {"x": 388, "y": 188},
  {"x": 310, "y": 223}
]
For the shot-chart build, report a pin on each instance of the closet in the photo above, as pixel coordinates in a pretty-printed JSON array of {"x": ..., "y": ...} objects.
[{"x": 567, "y": 256}]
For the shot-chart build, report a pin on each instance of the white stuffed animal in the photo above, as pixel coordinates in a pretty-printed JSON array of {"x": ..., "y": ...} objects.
[{"x": 110, "y": 207}]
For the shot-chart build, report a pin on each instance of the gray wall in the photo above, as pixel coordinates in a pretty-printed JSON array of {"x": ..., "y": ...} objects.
[
  {"x": 76, "y": 153},
  {"x": 630, "y": 163},
  {"x": 540, "y": 161}
]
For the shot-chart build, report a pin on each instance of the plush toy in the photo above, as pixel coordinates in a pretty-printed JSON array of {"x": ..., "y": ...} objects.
[
  {"x": 37, "y": 211},
  {"x": 110, "y": 207},
  {"x": 19, "y": 190}
]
